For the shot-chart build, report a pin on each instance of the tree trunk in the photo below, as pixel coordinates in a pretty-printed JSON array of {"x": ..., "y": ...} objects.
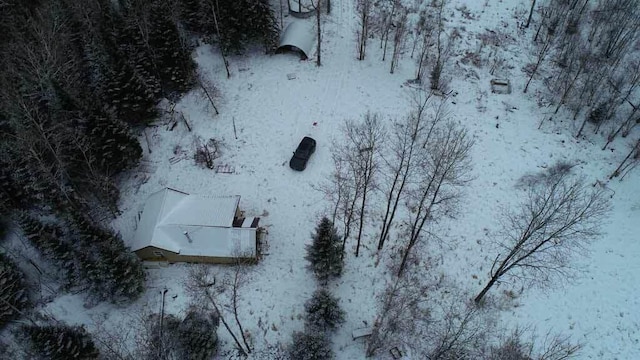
[
  {"x": 622, "y": 164},
  {"x": 533, "y": 4},
  {"x": 319, "y": 53},
  {"x": 486, "y": 289},
  {"x": 566, "y": 92},
  {"x": 235, "y": 308},
  {"x": 215, "y": 22},
  {"x": 362, "y": 209},
  {"x": 224, "y": 322}
]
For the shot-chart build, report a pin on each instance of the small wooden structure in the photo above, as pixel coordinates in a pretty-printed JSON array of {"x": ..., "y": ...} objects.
[
  {"x": 500, "y": 86},
  {"x": 361, "y": 333},
  {"x": 395, "y": 353}
]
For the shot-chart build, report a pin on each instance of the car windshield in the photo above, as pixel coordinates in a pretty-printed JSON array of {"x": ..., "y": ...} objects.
[{"x": 304, "y": 145}]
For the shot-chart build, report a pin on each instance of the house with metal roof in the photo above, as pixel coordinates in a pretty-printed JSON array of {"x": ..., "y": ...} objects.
[{"x": 175, "y": 226}]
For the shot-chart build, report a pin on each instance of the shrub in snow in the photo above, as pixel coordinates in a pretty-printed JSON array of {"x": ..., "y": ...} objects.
[
  {"x": 13, "y": 291},
  {"x": 61, "y": 342},
  {"x": 198, "y": 335},
  {"x": 206, "y": 153},
  {"x": 323, "y": 311},
  {"x": 310, "y": 345},
  {"x": 325, "y": 252},
  {"x": 161, "y": 341},
  {"x": 192, "y": 338},
  {"x": 511, "y": 349}
]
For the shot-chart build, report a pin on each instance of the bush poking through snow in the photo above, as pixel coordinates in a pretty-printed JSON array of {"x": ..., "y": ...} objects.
[
  {"x": 61, "y": 342},
  {"x": 523, "y": 345},
  {"x": 198, "y": 335},
  {"x": 323, "y": 311},
  {"x": 310, "y": 345},
  {"x": 206, "y": 153},
  {"x": 325, "y": 252},
  {"x": 13, "y": 291}
]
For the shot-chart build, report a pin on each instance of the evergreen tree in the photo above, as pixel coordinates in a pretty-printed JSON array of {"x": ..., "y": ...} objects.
[
  {"x": 127, "y": 95},
  {"x": 232, "y": 24},
  {"x": 323, "y": 311},
  {"x": 325, "y": 252},
  {"x": 133, "y": 45},
  {"x": 12, "y": 194},
  {"x": 264, "y": 26},
  {"x": 245, "y": 21},
  {"x": 13, "y": 291},
  {"x": 193, "y": 16},
  {"x": 115, "y": 273},
  {"x": 198, "y": 335},
  {"x": 49, "y": 241},
  {"x": 61, "y": 342},
  {"x": 114, "y": 146},
  {"x": 175, "y": 66},
  {"x": 310, "y": 345}
]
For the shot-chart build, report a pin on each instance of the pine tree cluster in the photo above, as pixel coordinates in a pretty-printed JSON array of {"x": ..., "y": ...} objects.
[
  {"x": 323, "y": 312},
  {"x": 61, "y": 342},
  {"x": 13, "y": 291},
  {"x": 245, "y": 22},
  {"x": 67, "y": 109},
  {"x": 114, "y": 273},
  {"x": 49, "y": 241}
]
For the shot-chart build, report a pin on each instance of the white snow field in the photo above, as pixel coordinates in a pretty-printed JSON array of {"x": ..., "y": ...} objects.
[{"x": 272, "y": 113}]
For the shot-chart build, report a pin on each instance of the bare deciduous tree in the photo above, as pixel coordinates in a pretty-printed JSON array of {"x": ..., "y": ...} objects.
[
  {"x": 444, "y": 170},
  {"x": 347, "y": 181},
  {"x": 405, "y": 149},
  {"x": 317, "y": 6},
  {"x": 629, "y": 163},
  {"x": 543, "y": 51},
  {"x": 522, "y": 344},
  {"x": 212, "y": 6},
  {"x": 364, "y": 143},
  {"x": 200, "y": 285},
  {"x": 402, "y": 302},
  {"x": 424, "y": 35},
  {"x": 460, "y": 332},
  {"x": 444, "y": 44},
  {"x": 398, "y": 39},
  {"x": 557, "y": 219},
  {"x": 364, "y": 14}
]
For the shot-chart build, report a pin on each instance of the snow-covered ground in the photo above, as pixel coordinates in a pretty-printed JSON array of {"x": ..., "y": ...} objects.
[{"x": 272, "y": 113}]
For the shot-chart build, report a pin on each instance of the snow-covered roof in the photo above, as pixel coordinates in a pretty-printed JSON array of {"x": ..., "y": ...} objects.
[
  {"x": 301, "y": 34},
  {"x": 189, "y": 224}
]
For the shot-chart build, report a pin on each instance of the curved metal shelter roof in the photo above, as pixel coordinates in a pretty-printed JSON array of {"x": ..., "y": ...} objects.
[{"x": 299, "y": 35}]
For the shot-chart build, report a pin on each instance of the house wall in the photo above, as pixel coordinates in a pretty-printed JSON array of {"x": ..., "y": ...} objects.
[{"x": 149, "y": 254}]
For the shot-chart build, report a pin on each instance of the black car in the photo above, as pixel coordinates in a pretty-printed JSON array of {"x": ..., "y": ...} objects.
[{"x": 302, "y": 154}]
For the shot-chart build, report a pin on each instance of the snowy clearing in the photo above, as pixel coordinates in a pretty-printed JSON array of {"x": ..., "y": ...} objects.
[{"x": 270, "y": 114}]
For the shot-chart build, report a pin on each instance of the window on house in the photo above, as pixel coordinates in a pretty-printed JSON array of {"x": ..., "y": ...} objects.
[{"x": 158, "y": 254}]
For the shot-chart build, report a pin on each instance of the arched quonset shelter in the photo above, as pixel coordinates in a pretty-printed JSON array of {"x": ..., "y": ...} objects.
[
  {"x": 299, "y": 36},
  {"x": 301, "y": 8}
]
